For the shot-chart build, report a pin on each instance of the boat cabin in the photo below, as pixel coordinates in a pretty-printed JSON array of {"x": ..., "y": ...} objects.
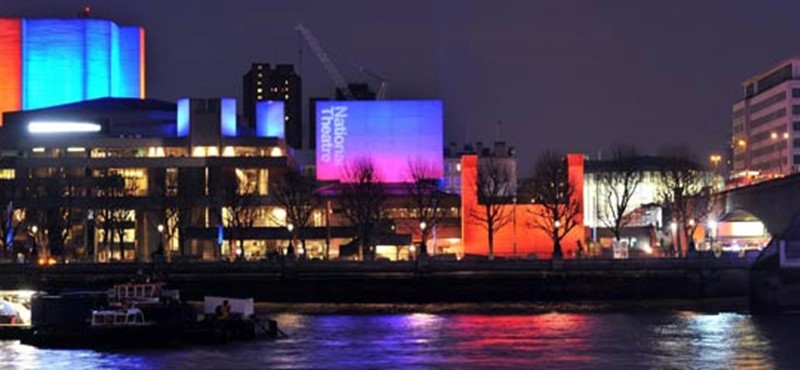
[{"x": 126, "y": 317}]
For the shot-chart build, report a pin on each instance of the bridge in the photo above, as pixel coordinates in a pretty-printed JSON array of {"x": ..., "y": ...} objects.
[{"x": 775, "y": 275}]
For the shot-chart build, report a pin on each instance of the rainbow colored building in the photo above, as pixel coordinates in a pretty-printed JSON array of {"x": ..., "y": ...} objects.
[{"x": 48, "y": 62}]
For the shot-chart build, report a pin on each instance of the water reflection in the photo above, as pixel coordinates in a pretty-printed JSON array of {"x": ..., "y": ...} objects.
[{"x": 553, "y": 341}]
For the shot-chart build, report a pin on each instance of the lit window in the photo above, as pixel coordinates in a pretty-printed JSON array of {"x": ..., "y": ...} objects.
[
  {"x": 260, "y": 75},
  {"x": 260, "y": 97},
  {"x": 276, "y": 152},
  {"x": 258, "y": 82},
  {"x": 38, "y": 150},
  {"x": 228, "y": 151},
  {"x": 286, "y": 118},
  {"x": 286, "y": 82},
  {"x": 7, "y": 174},
  {"x": 76, "y": 149},
  {"x": 286, "y": 97},
  {"x": 260, "y": 90}
]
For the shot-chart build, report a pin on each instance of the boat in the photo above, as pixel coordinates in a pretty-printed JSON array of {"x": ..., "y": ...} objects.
[{"x": 136, "y": 315}]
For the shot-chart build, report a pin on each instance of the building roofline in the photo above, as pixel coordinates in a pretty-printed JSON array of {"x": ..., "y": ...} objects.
[{"x": 775, "y": 67}]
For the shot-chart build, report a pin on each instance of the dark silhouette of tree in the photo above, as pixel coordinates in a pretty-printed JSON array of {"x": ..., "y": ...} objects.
[
  {"x": 494, "y": 188},
  {"x": 619, "y": 180},
  {"x": 296, "y": 194},
  {"x": 426, "y": 202},
  {"x": 362, "y": 197},
  {"x": 117, "y": 213},
  {"x": 9, "y": 224},
  {"x": 686, "y": 192},
  {"x": 242, "y": 212},
  {"x": 177, "y": 204},
  {"x": 557, "y": 202},
  {"x": 51, "y": 209}
]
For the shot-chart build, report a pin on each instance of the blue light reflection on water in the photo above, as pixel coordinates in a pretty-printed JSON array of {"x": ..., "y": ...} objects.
[{"x": 553, "y": 341}]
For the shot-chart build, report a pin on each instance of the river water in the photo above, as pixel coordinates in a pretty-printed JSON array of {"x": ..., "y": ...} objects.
[{"x": 665, "y": 340}]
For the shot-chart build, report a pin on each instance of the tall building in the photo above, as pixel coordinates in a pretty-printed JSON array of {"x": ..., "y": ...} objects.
[
  {"x": 263, "y": 83},
  {"x": 48, "y": 62},
  {"x": 766, "y": 122}
]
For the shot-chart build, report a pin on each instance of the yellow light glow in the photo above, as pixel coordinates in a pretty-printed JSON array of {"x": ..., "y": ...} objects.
[
  {"x": 276, "y": 152},
  {"x": 156, "y": 152},
  {"x": 228, "y": 152}
]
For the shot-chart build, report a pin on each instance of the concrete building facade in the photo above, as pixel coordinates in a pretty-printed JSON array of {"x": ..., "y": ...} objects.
[{"x": 766, "y": 123}]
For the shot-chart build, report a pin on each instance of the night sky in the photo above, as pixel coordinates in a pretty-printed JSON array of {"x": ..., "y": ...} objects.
[{"x": 577, "y": 76}]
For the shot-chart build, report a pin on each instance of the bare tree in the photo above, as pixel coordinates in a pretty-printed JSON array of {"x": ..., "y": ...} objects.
[
  {"x": 117, "y": 210},
  {"x": 178, "y": 206},
  {"x": 619, "y": 182},
  {"x": 686, "y": 192},
  {"x": 494, "y": 188},
  {"x": 51, "y": 208},
  {"x": 295, "y": 193},
  {"x": 242, "y": 213},
  {"x": 10, "y": 225},
  {"x": 426, "y": 202},
  {"x": 557, "y": 201},
  {"x": 362, "y": 199}
]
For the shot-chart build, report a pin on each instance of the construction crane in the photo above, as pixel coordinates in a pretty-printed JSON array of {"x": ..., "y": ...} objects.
[
  {"x": 382, "y": 89},
  {"x": 333, "y": 73}
]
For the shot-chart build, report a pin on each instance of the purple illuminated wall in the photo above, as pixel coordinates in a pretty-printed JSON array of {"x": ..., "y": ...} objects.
[{"x": 390, "y": 134}]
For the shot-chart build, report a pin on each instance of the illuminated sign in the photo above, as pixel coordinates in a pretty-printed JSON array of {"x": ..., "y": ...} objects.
[
  {"x": 54, "y": 127},
  {"x": 269, "y": 119},
  {"x": 47, "y": 62},
  {"x": 390, "y": 134}
]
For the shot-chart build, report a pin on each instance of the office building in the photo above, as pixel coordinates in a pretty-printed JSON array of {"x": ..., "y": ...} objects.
[
  {"x": 766, "y": 123},
  {"x": 281, "y": 83}
]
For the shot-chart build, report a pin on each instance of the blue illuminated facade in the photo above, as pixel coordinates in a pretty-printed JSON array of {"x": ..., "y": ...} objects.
[
  {"x": 227, "y": 117},
  {"x": 270, "y": 119},
  {"x": 71, "y": 60},
  {"x": 182, "y": 122}
]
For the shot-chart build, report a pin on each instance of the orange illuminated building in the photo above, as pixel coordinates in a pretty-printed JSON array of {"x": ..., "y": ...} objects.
[
  {"x": 529, "y": 240},
  {"x": 11, "y": 66}
]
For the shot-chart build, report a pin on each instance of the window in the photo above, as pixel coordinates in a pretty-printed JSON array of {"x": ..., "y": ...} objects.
[
  {"x": 796, "y": 126},
  {"x": 259, "y": 90},
  {"x": 796, "y": 109},
  {"x": 797, "y": 159},
  {"x": 796, "y": 93},
  {"x": 796, "y": 143}
]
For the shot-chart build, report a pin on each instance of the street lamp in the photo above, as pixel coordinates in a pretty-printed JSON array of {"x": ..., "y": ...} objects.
[
  {"x": 742, "y": 144},
  {"x": 35, "y": 252},
  {"x": 160, "y": 228},
  {"x": 784, "y": 136}
]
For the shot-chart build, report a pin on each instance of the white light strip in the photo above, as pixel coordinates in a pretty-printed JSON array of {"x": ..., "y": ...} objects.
[
  {"x": 54, "y": 127},
  {"x": 76, "y": 149},
  {"x": 38, "y": 150}
]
